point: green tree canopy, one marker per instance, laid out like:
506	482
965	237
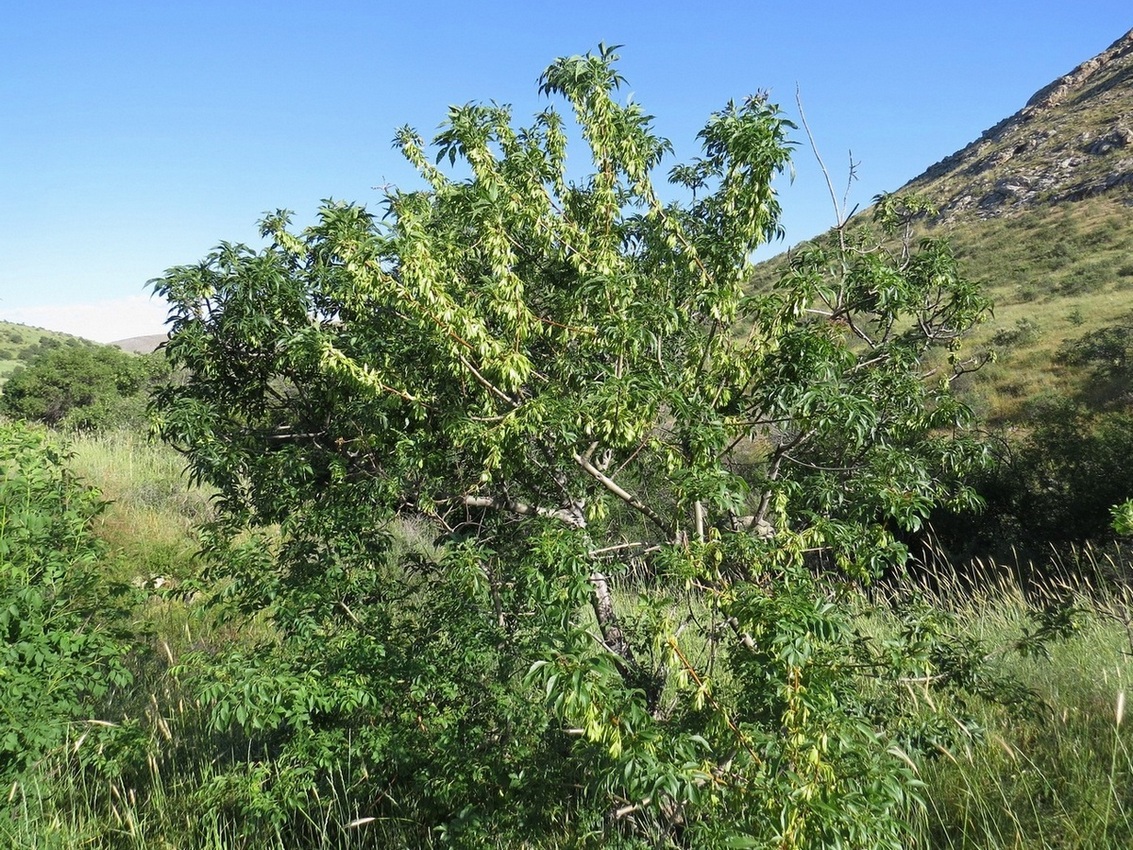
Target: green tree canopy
83	386
624	472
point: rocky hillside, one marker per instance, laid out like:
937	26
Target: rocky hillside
1039	209
1073	140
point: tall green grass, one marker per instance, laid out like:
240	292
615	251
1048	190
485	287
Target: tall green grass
1061	774
152	511
150	525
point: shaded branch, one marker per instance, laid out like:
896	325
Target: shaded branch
620	492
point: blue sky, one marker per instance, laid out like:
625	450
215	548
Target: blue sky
134	136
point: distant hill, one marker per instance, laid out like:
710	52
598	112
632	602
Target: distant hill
141	344
19	344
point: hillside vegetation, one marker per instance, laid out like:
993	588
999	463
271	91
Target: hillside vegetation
1055	275
20	344
81	385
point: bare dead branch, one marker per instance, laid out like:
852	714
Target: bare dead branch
571	516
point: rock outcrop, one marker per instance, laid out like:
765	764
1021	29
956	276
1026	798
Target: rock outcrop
1072	140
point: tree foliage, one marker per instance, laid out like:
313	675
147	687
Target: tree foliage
82	386
1067	474
1123	517
560	527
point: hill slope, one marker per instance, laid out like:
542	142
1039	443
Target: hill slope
1039	210
19	344
1072	140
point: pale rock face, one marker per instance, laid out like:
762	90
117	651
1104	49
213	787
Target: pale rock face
1064	145
1120	137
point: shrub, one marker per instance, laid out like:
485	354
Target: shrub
63	644
1108	355
1053	487
1025	331
85	387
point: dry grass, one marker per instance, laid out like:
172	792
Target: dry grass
151	512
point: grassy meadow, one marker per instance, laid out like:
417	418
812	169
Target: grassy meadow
1057	774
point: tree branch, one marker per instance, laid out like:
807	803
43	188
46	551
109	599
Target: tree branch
572	516
612	635
488	385
620	492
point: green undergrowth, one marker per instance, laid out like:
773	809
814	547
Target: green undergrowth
1059	775
150	771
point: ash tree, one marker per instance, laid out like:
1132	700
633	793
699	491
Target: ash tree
561	529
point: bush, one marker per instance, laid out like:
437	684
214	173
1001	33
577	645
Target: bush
1025	331
1108	351
1106	355
1053	487
60	621
84	387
